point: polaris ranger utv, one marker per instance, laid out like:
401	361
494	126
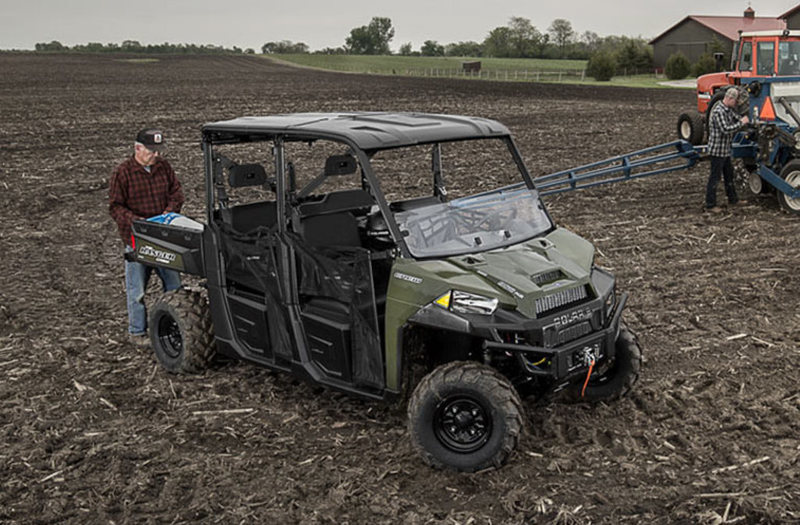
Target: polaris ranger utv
364	251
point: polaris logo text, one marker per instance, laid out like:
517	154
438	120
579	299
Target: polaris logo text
158	255
572	317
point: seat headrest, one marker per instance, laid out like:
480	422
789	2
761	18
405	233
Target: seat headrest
243	175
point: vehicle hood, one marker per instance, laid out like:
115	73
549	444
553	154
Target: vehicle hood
517	275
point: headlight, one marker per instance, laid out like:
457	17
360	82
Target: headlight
467	303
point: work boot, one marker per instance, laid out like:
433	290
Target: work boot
139	341
714	209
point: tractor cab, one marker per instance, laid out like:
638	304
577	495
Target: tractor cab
756	54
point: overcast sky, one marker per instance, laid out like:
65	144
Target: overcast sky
326	23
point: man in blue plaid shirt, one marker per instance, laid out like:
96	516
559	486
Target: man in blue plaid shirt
722	124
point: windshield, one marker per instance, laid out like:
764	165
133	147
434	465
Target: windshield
789	58
481	222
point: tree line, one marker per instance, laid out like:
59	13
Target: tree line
133	46
518	39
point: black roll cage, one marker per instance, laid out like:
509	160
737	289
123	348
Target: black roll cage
279	139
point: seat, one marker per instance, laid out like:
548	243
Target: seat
337	201
335	229
245	218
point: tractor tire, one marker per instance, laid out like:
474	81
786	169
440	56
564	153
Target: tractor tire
465	416
615	379
791	174
180	332
691	127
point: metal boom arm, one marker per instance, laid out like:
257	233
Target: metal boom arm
672	156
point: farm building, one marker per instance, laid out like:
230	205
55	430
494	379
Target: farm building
792	18
695	35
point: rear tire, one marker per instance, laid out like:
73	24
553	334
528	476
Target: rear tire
465	416
691	127
180	331
791	174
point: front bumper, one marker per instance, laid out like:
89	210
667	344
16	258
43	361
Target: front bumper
569	359
558	344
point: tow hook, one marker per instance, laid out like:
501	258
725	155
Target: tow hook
589	357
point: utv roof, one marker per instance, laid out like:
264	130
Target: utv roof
368	131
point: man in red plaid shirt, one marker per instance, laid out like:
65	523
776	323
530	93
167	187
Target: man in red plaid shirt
143	186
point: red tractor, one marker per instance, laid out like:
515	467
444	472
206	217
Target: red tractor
756	54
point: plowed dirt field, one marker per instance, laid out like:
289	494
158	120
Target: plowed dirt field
93	431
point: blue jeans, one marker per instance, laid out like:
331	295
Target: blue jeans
721	167
136	277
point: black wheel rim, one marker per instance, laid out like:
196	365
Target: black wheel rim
462	424
169	336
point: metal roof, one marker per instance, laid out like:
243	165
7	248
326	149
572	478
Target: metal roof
367	130
729	26
790	12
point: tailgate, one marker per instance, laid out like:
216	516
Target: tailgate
168	246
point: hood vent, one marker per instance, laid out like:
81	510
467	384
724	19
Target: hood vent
560	299
548	277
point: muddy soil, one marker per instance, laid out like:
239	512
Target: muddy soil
94	431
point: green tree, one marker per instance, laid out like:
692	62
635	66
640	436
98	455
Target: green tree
131	46
562	34
432	48
53	45
498	43
405	49
284	47
331	51
716	46
463	49
372	39
601	66
525	40
634	55
677	66
591	40
705	64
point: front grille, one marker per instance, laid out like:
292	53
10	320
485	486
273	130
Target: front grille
560	299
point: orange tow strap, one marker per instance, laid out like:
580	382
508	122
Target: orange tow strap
588	375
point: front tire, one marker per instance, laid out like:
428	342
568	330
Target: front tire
791	174
180	332
465	416
615	379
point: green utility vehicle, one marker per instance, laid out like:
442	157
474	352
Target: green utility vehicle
391	256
